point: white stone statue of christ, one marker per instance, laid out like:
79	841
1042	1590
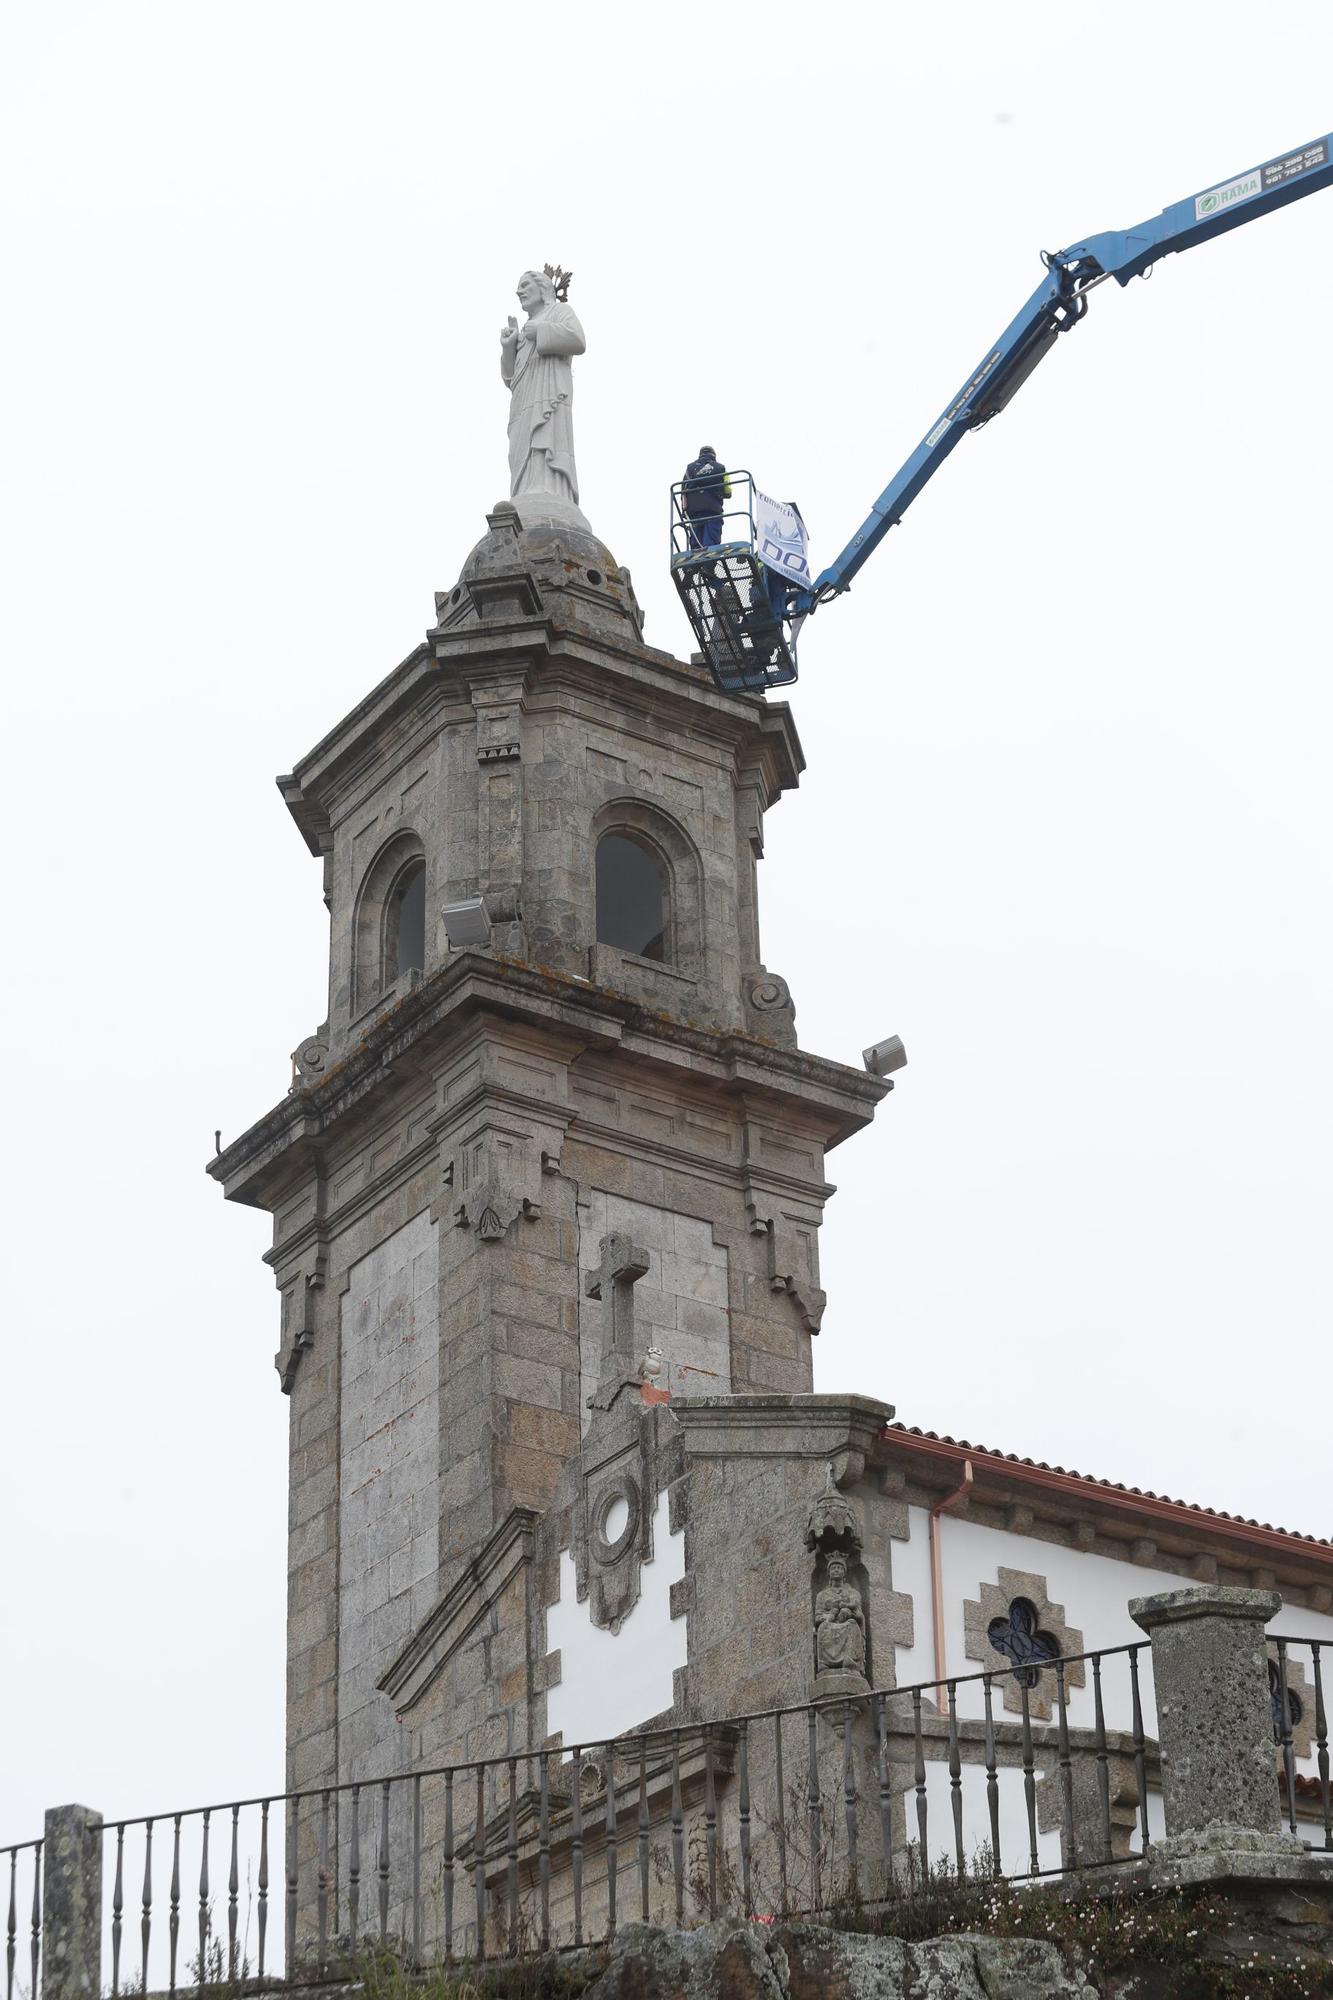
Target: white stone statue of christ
535	367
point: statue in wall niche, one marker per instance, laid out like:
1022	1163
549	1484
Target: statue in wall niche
837	1588
840	1640
535	366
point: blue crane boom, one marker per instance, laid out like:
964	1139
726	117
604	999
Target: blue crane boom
1058	304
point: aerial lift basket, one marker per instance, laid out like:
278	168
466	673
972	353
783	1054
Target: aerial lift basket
747	646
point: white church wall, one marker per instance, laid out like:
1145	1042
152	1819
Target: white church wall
390	1454
680	1305
1093	1591
1014	1852
612	1681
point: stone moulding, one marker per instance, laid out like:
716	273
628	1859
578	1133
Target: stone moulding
253	1165
510	1549
845	1430
693	1781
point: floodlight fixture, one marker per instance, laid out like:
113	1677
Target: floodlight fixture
466	923
885	1057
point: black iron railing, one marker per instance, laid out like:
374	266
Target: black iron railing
783	1811
32	1848
1289	1714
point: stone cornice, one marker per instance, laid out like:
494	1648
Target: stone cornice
842	1430
759	734
303	787
508	1549
834	1097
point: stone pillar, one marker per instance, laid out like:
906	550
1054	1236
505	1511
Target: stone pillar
1214	1710
72	1904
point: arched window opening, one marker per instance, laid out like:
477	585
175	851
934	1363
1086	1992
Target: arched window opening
405	924
632	897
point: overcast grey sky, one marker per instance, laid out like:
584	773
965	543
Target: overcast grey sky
1065	823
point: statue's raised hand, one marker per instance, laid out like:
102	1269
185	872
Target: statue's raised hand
509	333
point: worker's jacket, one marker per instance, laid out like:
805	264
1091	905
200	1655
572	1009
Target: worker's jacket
706	487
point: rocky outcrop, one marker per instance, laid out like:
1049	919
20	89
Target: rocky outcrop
731	1960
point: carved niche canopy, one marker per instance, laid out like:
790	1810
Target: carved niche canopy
833	1522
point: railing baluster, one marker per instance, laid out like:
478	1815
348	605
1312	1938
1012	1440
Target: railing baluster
416	1869
174	1912
643	1828
1321	1744
781	1811
511	1856
612	1841
576	1838
263	1882
919	1779
323	1878
1066	1764
12	1925
382	1861
1140	1759
205	1915
1029	1778
1288	1751
1103	1768
36	1917
710	1821
544	1845
747	1904
354	1869
885	1796
677	1832
117	1907
956	1780
849	1798
479	1861
289	1913
233	1889
146	1905
814	1808
992	1780
448	1864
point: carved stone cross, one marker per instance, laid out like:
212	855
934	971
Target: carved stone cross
623	1264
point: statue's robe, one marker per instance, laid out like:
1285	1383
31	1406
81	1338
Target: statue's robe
840	1643
541	405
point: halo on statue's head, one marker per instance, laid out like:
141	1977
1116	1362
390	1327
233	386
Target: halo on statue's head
559	281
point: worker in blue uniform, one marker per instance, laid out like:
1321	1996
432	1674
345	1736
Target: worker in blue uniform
706	487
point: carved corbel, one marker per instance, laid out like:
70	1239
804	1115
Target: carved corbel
311	1059
769	1011
792	1262
299	1297
495	1179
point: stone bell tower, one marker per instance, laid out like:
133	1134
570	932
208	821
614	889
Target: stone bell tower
556	1117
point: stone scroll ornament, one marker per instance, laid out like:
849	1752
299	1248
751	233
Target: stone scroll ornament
833	1537
536	368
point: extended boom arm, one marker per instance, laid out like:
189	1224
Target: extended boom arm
1058	304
